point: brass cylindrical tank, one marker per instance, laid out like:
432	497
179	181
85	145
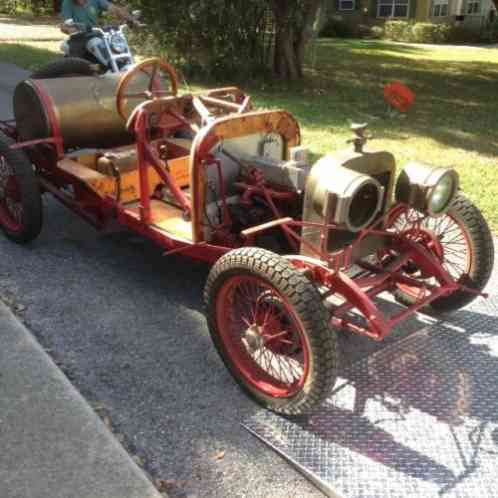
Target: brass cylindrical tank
83	108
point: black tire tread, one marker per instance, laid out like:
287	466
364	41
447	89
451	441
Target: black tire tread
481	266
69	66
306	301
30	193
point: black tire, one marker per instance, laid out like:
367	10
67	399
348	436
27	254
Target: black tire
480	240
31	217
65	68
304	300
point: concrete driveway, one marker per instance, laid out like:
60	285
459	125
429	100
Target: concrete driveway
12	29
127	326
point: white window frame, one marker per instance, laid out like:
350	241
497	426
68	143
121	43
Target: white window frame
440	3
342	9
392	3
473	2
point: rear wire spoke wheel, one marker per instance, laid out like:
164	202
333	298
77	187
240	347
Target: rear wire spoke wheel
20	198
460	239
270	328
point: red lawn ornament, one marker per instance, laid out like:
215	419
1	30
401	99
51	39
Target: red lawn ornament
399	96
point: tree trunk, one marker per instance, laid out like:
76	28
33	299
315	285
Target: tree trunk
294	27
57	6
310	14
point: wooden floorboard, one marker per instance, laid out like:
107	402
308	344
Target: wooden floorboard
165	217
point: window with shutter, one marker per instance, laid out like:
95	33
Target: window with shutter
440	8
393	8
346	5
473	7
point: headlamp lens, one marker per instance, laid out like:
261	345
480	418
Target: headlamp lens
118	44
442	194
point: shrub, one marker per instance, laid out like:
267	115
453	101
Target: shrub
398	30
366	31
377	32
425	32
334	28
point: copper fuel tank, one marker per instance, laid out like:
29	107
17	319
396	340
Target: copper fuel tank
83	108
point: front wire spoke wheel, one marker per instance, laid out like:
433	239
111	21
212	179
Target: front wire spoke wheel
460	240
271	330
258	334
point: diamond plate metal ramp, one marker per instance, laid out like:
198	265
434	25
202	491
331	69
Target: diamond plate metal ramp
418	418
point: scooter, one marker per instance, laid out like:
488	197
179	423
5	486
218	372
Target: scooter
107	46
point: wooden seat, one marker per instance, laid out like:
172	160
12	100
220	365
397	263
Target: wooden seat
125	160
99	168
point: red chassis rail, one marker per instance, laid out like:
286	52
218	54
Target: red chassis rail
329	271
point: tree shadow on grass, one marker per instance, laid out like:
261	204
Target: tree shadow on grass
25	56
456	101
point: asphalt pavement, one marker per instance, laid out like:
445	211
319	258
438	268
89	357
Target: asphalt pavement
127	326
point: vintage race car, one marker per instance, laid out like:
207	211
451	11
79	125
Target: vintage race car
300	251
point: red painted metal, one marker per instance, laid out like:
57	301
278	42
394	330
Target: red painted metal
48	105
40	141
358	294
11	209
433	238
70	203
263	336
8	127
146	158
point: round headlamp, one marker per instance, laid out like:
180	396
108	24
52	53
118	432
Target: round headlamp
342	196
429	189
118	44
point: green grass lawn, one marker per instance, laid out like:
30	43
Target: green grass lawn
29	55
454	121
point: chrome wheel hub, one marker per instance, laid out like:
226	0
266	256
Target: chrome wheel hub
253	340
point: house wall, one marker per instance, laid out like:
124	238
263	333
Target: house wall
365	12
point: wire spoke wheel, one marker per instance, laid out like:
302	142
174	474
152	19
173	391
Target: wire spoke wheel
270	327
10	198
460	240
263	335
20	199
445	237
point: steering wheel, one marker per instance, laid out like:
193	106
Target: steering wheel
150	80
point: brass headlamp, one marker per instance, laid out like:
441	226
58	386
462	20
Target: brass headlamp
428	189
342	196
